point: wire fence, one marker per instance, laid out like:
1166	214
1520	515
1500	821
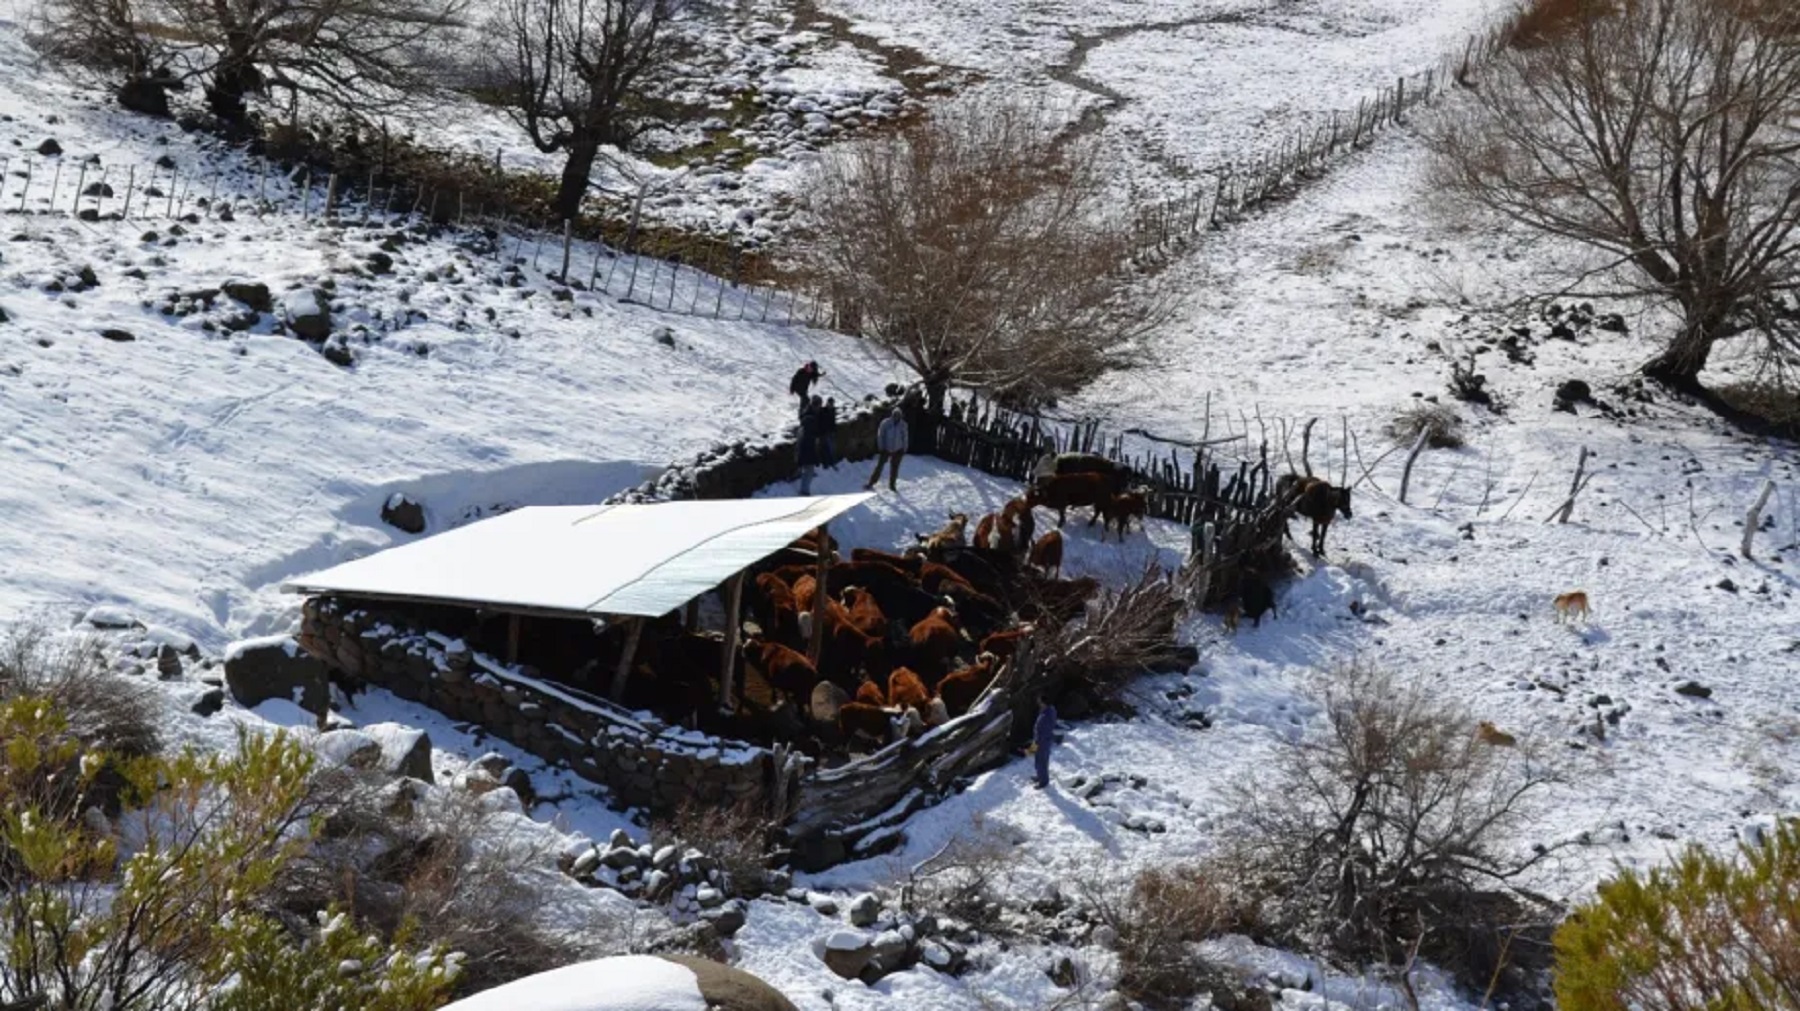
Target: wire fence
716	288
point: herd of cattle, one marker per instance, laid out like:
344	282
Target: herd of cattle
909	639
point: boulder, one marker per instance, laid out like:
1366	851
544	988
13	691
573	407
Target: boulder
49	148
210	701
348	749
117	335
891	951
494	764
1693	690
146	95
403	514
405	751
633	982
307	313
729	918
275	667
110	618
254	294
519	781
865	909
848	953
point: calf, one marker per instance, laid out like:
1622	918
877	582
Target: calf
1024	526
1255	597
961	689
950	535
1320	501
1066	491
1047	553
996	531
906	690
869	693
1121	509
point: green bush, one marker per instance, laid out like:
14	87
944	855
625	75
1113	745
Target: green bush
168	905
1708	933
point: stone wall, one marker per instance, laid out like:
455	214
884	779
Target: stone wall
743	468
645	762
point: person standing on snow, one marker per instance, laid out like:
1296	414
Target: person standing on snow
890	446
1043	737
828	434
803	381
808	448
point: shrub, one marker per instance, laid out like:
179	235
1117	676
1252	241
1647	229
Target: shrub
168	908
1708	933
738	838
969	879
1386	828
1156	919
1471	387
104	710
1444	427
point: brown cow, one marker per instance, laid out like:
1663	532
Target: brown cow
906	689
806	591
869	693
1121	509
960	690
937	578
905	563
860	719
774	608
950	535
848	647
1047	553
785	670
865	613
936	640
997	531
1316	499
1024	526
1005	644
1066	491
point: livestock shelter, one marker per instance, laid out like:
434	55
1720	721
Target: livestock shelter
528	623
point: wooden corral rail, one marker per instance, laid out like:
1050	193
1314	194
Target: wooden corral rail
851	810
1227	501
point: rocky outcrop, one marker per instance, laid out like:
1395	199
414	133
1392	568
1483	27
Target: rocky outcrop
257	670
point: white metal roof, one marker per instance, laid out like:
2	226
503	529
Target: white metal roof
644	560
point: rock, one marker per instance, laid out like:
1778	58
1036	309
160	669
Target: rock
848	953
664	858
865	909
97	189
49	148
656	882
891	951
254	294
257	670
210	701
110	618
1693	690
147	96
118	335
403	514
380	262
620	857
1062	972
405	751
337	352
1574	391
349	749
1727	585
168	662
620	837
307	313
664	336
724	988
585	864
519	781
729	918
494	764
822	904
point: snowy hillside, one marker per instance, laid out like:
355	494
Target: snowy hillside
181	468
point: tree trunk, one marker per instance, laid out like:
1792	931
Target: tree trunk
1679	365
235	77
575	175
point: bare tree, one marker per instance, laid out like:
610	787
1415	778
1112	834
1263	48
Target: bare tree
980	246
1391	823
355	55
574	75
1661	134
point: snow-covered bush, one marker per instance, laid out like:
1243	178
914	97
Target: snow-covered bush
1155	920
1442	425
1706	932
737	838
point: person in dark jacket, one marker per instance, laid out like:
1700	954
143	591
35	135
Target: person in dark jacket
828	434
803	381
807	449
1043	737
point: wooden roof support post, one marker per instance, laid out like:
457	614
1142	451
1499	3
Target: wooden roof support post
734	619
817	645
692	618
512	638
623	672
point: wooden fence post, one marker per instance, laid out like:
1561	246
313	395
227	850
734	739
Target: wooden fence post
734	607
1417	446
1753	518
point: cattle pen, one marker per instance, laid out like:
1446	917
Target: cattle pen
500	623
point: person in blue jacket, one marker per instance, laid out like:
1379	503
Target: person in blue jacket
1044	737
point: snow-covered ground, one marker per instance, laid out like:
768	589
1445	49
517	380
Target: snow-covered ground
181	476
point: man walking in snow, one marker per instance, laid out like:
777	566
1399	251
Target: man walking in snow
890	446
1043	738
803	381
808	449
828	434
